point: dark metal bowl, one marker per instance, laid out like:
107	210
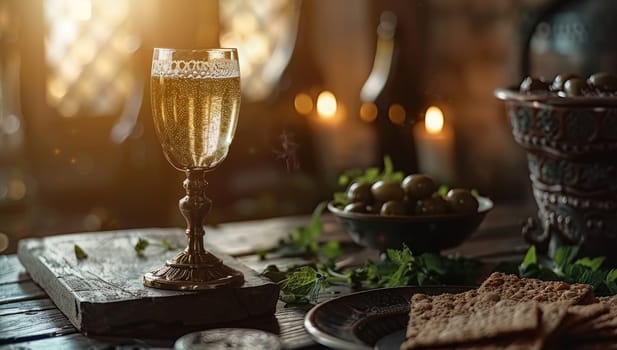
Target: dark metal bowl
420	233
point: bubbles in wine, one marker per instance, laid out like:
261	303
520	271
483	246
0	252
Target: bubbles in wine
195	69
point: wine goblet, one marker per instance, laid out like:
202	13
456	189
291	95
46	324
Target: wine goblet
195	106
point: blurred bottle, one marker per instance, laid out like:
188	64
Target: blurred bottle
271	161
389	98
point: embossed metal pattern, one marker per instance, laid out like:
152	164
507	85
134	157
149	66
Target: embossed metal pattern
573	168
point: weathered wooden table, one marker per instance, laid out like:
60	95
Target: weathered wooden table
29	319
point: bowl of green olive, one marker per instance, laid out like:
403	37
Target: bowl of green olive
412	212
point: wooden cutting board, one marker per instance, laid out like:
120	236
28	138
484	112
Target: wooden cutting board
104	293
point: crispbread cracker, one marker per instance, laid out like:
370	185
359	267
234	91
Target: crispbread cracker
581	314
513	287
553	315
508	312
505	318
426	307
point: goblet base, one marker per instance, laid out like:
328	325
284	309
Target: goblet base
190	271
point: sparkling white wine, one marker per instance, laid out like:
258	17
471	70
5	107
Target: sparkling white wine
195	114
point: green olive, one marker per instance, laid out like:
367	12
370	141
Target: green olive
384	191
431	206
560	79
575	87
360	192
418	186
603	81
393	208
462	201
356	207
530	84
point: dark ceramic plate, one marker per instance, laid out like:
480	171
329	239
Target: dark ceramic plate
362	320
420	233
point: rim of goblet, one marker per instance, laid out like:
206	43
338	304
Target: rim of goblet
213	49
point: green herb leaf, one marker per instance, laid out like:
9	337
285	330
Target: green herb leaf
563	256
594	264
530	258
612	275
274	274
388	168
340	199
165	244
141	246
331	250
443	190
80	254
303	285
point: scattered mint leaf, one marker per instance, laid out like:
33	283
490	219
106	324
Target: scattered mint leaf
80	254
303	285
141	246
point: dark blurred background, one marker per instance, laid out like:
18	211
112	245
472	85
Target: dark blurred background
327	86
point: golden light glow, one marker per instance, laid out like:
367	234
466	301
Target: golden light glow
433	120
17	189
303	103
368	112
397	114
80	10
89	45
326	104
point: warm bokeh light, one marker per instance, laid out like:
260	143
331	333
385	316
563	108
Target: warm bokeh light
16	189
433	120
326	104
89	47
397	114
303	103
368	112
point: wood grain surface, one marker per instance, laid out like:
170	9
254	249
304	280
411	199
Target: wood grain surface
30	320
104	293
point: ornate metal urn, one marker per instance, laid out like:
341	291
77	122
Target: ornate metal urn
571	146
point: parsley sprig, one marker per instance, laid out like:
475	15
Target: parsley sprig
401	268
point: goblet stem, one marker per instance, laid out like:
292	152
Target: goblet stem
194	207
194	268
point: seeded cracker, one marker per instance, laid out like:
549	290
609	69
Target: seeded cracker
513	287
504	319
425	307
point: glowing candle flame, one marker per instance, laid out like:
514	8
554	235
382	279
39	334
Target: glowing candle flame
326	104
433	120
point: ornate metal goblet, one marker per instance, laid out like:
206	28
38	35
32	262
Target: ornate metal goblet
195	105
